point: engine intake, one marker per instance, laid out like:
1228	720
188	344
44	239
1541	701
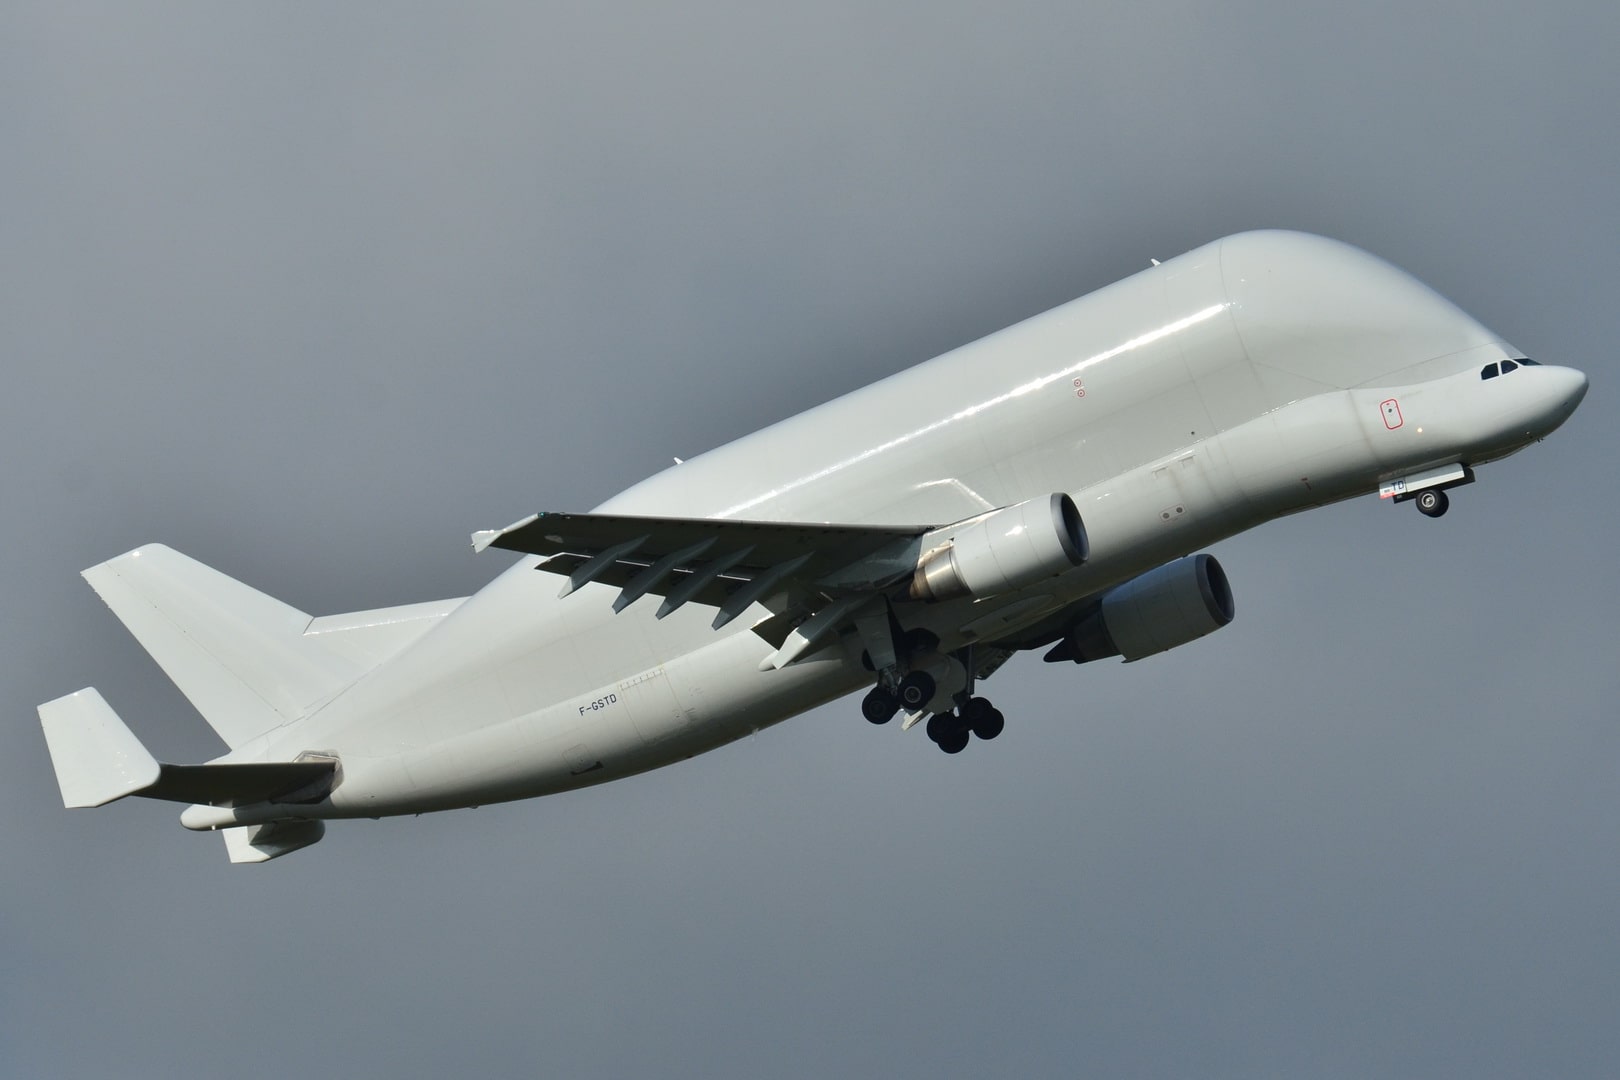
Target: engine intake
1165	607
1003	550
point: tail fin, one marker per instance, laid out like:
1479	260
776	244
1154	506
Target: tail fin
239	656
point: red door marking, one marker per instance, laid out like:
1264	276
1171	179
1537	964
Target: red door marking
1392	414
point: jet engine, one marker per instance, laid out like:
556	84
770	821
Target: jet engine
1165	607
1000	551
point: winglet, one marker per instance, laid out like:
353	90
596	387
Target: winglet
485	537
97	758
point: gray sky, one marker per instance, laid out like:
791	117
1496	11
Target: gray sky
312	291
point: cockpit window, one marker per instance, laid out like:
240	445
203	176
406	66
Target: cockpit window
1525	360
1491	371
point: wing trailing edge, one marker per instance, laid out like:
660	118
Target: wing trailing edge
715	562
812	576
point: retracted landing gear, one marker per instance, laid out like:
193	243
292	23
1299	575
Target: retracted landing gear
1432	502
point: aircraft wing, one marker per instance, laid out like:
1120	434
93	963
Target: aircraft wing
715	561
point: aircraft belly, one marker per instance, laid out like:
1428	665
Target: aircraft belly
710	697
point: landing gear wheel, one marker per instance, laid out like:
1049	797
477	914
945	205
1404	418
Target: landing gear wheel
942	727
916	690
1432	503
989	726
954	743
975	709
879	706
982	718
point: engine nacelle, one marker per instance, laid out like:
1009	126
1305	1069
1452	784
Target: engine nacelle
1000	551
1169	606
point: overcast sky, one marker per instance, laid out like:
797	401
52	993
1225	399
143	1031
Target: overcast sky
311	292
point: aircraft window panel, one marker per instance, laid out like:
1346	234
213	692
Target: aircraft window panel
1525	361
1490	371
1508	365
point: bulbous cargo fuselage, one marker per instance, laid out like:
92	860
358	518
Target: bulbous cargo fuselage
1062	457
1253	377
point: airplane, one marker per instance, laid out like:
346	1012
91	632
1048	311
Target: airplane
1047	487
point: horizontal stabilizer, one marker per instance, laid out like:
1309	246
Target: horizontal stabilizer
97	758
232	784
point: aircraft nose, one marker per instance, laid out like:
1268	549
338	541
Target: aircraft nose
1570	387
1562	390
1577	389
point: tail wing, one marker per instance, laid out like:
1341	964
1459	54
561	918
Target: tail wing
239	656
97	758
249	663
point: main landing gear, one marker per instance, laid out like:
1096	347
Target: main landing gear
976	716
912	693
949	731
879	706
915	676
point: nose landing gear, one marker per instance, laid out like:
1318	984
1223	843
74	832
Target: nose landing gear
1432	502
1427	488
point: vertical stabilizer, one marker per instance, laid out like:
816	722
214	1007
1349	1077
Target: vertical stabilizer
239	656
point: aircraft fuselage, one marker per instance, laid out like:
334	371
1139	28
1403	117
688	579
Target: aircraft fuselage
1255	377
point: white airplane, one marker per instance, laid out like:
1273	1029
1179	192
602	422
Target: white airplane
1044	486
